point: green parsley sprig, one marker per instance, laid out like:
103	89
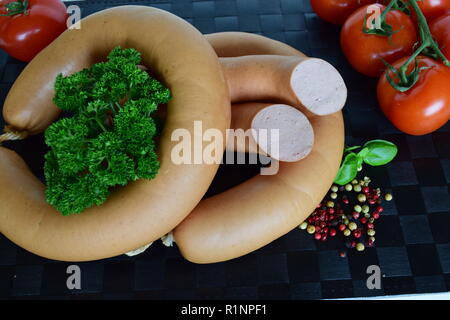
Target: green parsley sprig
109	140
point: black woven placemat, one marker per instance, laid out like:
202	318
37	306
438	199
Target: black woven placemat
413	238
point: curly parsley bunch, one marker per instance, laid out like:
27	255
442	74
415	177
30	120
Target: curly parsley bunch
109	140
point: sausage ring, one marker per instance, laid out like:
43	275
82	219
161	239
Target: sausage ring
144	210
262	209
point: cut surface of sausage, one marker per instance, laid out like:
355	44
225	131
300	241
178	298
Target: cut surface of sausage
295	134
318	86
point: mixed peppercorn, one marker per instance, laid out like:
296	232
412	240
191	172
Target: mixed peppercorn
352	210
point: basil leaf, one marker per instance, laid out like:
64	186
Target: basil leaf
380	152
361	155
348	170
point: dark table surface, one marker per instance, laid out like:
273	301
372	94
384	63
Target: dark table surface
413	234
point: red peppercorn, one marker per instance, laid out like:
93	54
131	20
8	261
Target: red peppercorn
331	217
332	232
342	254
380	209
353	244
366	189
370	226
310	220
331	210
342	227
317	236
363	220
324	238
325	230
346	201
323	225
357	234
370	243
355	215
371	201
318	229
376	215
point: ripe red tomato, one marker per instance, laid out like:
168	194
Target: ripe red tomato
24	35
440	29
426	106
433	9
364	51
337	11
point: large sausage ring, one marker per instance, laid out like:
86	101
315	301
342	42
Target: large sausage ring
264	208
142	211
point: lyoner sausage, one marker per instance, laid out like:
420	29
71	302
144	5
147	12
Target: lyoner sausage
311	83
264	208
144	210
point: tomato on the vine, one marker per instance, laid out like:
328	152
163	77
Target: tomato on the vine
28	26
337	11
426	106
433	9
440	29
366	52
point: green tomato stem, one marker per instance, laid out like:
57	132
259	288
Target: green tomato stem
388	8
427	44
425	34
16	7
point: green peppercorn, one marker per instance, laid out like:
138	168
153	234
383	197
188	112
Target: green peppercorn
334	188
347	232
355	181
372	239
360	246
371	232
357	188
311	229
348	187
352	226
333	195
357	208
330	204
371	220
367	215
346	221
362	197
388	197
365	209
304	225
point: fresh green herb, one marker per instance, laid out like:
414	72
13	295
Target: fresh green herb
374	153
109	140
348	169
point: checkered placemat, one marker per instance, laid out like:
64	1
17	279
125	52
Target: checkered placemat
413	235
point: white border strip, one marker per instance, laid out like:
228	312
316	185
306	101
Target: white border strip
419	296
